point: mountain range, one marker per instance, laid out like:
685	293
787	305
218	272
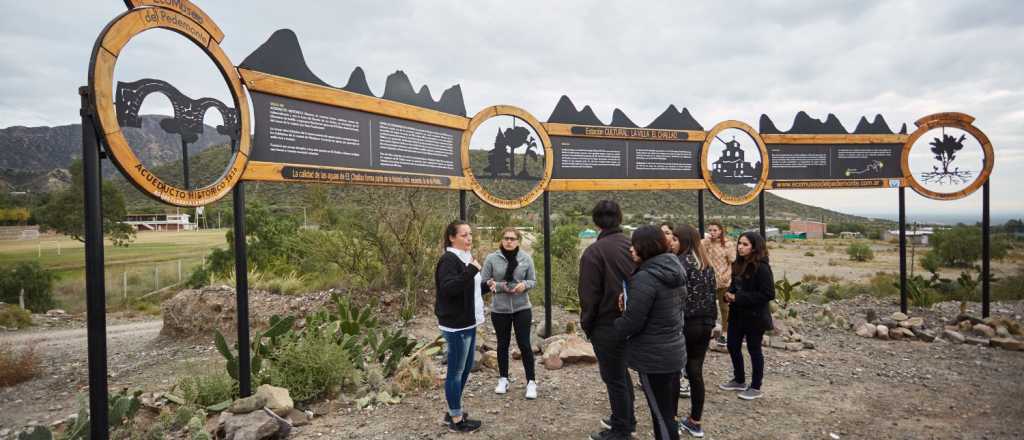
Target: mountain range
565	112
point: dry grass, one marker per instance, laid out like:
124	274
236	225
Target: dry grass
17	366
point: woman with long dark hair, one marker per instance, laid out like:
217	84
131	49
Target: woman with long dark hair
459	308
753	287
509	273
721	252
652	323
699	319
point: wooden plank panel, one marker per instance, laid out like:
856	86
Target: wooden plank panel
271	172
187	9
557	129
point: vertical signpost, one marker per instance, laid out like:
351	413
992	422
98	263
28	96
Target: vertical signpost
986	250
903	249
547	265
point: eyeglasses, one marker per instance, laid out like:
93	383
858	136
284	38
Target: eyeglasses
509	238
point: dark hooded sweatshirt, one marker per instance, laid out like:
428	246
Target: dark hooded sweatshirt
652	321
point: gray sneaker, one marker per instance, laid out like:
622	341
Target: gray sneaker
750	394
733	386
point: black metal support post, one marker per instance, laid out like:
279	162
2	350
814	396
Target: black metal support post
184	164
242	293
903	249
547	266
700	211
986	256
760	214
462	205
95	285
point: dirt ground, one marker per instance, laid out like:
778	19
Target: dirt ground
847	387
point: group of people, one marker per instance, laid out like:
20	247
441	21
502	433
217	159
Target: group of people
648	302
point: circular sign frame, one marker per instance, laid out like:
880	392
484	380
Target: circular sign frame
706	173
105	52
467	169
950	120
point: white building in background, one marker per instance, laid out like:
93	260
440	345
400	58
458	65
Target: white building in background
160	222
917	237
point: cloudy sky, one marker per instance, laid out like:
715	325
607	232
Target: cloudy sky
721	60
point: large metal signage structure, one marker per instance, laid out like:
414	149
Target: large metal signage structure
302	129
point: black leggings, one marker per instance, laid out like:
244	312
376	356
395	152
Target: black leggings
503	324
741	328
698	337
662	391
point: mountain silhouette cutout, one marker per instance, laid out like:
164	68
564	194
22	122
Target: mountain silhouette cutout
804	124
281	55
619	119
673	119
565	112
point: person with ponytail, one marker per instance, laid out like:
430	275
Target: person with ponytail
509	273
699	314
752	288
459	307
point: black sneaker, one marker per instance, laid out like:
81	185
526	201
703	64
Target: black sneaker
690	428
606	424
448	418
464	425
608	434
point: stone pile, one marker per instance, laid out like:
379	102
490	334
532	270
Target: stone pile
996	331
897	326
268	414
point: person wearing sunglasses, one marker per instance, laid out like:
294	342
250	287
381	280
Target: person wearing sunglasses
510	274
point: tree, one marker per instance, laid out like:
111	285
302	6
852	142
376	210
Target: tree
860	252
65	211
36	282
960	246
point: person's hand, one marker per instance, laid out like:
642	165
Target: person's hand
622	302
491	284
520	288
730	297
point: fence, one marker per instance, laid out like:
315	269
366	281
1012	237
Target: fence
142	280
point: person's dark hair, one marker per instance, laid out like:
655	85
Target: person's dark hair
607	214
649	241
721	237
450	231
689	241
745	266
668	225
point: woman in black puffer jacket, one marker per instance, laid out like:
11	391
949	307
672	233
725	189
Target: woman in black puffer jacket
652	323
752	288
700	313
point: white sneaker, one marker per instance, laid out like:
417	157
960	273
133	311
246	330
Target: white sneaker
502	387
531	390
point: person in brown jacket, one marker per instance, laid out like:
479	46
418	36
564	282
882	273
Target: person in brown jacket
604	268
722	252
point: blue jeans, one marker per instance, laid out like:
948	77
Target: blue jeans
461	345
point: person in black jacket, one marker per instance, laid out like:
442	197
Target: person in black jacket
753	287
652	323
699	314
459	309
604	267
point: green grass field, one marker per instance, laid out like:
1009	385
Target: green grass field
151	262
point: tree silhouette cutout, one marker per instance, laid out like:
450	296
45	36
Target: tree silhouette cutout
945	150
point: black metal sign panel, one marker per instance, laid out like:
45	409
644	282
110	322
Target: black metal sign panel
834	162
291	131
586	158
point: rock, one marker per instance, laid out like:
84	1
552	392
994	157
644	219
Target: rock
867	330
888	322
719	348
976	341
516	354
1008	344
964	317
554	348
902	333
576	350
916	321
779	328
256	425
490	359
899	316
925	335
778	344
794	346
477	361
297	418
552	362
965	326
871	316
198	312
247	405
1002	331
808	345
544	343
796	337
984	330
278	399
56	313
882	332
953	336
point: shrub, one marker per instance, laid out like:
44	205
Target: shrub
34	279
809	254
960	246
860	252
311	367
1009	288
17	366
209	389
12	316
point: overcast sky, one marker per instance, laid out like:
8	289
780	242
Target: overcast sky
721	60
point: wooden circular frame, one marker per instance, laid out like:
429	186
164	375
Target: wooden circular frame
101	77
706	173
951	120
467	168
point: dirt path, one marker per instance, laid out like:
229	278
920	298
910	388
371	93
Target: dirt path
72	339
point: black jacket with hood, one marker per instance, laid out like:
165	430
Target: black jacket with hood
652	321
